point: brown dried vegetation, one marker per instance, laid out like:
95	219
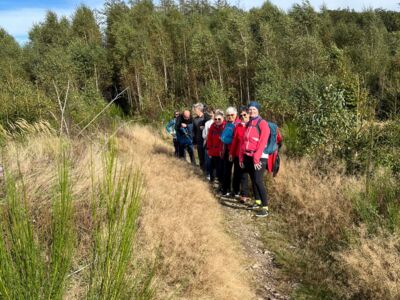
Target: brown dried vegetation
181	225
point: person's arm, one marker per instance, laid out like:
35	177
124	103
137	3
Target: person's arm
264	135
178	124
209	138
205	132
169	125
279	139
235	142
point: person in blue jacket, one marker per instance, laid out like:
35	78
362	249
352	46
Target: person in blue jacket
184	135
170	128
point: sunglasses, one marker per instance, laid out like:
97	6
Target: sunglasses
243	115
218	119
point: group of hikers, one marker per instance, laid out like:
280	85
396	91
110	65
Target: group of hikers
231	146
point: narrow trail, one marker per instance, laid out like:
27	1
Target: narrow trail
265	274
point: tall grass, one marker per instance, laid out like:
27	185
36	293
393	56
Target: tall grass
379	206
28	270
338	239
62	243
115	216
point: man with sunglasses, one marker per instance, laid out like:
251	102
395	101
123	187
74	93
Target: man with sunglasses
170	128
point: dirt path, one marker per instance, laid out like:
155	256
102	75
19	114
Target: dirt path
266	276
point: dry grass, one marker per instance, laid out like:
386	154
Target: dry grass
373	267
180	223
320	242
183	223
314	204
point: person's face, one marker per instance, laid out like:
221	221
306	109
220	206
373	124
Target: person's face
197	112
218	119
230	117
212	115
186	115
253	112
176	114
244	116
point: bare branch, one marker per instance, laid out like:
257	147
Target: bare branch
103	110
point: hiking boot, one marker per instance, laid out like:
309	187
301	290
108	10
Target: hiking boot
256	205
263	212
226	195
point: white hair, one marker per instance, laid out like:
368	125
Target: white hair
199	106
219	112
231	110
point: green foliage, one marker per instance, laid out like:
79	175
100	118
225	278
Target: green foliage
20	100
115	217
322	119
25	271
379	206
214	95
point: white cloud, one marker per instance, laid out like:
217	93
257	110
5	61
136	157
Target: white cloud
18	22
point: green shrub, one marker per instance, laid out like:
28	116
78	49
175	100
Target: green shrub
379	205
29	270
115	216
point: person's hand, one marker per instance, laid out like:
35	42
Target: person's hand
258	166
230	157
183	125
241	164
201	127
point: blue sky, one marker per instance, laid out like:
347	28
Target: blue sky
18	16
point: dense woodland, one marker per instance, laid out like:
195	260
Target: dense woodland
331	78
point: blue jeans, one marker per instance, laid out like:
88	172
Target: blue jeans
189	148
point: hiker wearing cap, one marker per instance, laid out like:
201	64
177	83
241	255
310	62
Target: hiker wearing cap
240	183
184	135
198	126
215	147
227	138
170	128
252	157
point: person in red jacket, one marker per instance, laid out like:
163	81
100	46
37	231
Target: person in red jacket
251	156
215	146
240	183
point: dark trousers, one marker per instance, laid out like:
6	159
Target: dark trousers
189	148
226	186
216	165
240	182
176	147
207	163
257	178
201	154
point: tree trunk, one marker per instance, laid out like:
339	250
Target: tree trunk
220	73
139	90
186	68
165	75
